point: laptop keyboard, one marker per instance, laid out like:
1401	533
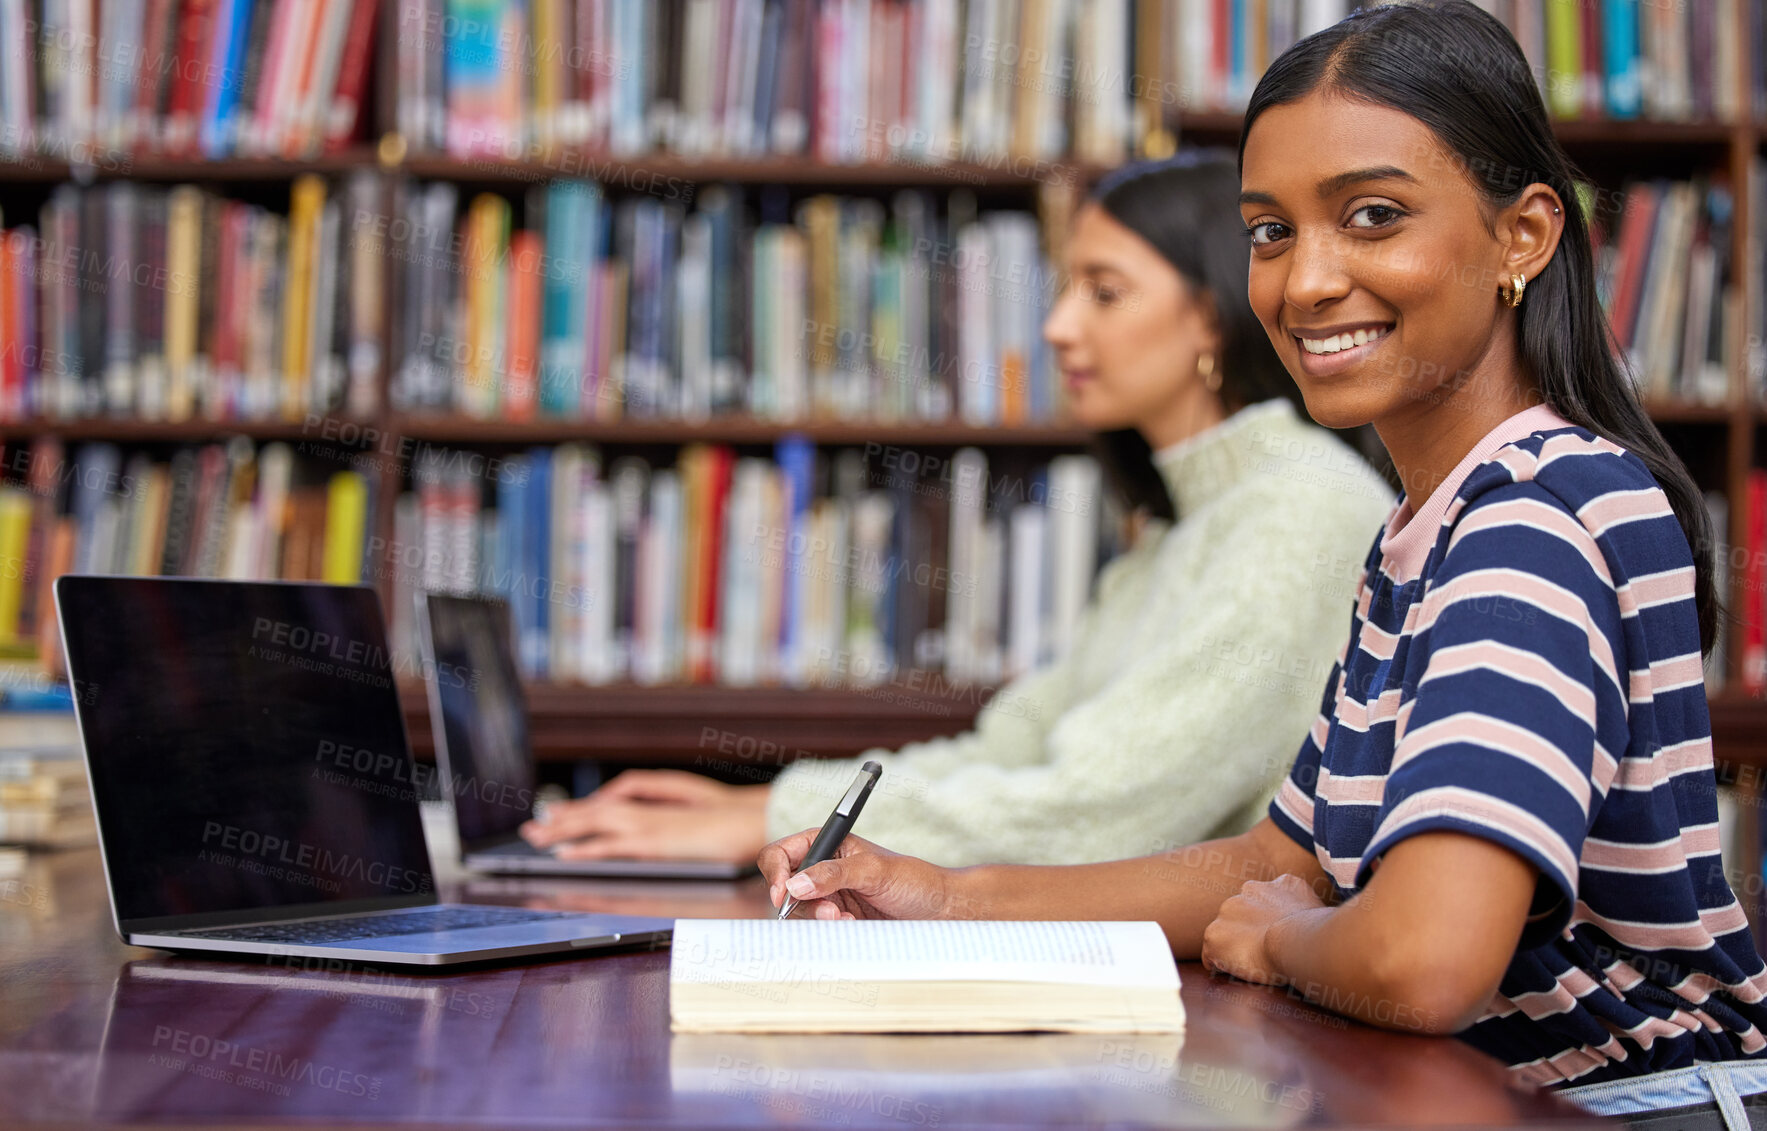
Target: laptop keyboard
375	926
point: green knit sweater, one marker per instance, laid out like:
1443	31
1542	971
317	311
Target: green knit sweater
1193	676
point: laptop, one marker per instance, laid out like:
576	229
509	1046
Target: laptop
480	727
253	786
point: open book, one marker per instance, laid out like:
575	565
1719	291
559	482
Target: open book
908	976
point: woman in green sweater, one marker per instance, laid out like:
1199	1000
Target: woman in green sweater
1194	672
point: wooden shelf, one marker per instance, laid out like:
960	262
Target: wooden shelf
1688	412
155	167
640	170
1739	730
1603	133
618	170
614	169
454	429
130	430
730	728
740	730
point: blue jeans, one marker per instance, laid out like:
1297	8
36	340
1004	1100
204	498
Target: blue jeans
1710	1095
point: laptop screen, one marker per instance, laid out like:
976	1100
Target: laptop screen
246	746
482	738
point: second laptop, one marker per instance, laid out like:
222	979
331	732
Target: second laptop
480	725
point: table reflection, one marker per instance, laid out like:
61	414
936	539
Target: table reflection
299	1037
936	1080
671	899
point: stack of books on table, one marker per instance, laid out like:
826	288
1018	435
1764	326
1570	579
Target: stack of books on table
43	801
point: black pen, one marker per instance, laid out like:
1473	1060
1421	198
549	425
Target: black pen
838	825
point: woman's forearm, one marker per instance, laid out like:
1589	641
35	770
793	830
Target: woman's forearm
1411	951
1181	889
1328	956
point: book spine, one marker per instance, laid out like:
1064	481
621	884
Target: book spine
563	302
1620	45
306	201
13	344
120	292
194	32
1564	51
273	85
346	512
1591	87
531	602
343	120
295	78
226	57
523	309
315	108
89	310
366	295
251	75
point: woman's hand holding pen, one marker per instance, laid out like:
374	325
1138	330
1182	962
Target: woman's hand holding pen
862	881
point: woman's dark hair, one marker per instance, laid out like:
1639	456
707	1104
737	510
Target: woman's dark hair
1457	69
1187	208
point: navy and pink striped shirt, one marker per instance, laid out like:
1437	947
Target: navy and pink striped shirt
1524	666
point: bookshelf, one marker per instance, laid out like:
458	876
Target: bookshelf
1722	440
758	728
457	429
123	430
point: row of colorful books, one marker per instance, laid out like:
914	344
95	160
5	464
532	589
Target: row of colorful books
222	510
130	299
846	81
1633	58
844	307
1664	270
1616	59
1591	58
961	79
84	79
746	570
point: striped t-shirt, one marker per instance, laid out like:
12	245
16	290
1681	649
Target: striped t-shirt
1524	665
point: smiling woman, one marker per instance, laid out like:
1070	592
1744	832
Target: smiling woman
1373	277
1503	821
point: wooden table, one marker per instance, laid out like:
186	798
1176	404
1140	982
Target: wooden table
93	1032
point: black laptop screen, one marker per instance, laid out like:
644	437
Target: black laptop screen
246	745
484	731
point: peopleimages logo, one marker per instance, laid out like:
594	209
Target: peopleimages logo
307	859
396	775
220	1059
300	638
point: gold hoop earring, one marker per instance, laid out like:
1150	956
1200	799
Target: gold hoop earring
1205	368
1512	296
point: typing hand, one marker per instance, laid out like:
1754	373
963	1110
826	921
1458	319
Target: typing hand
608	808
862	881
600	828
673	787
